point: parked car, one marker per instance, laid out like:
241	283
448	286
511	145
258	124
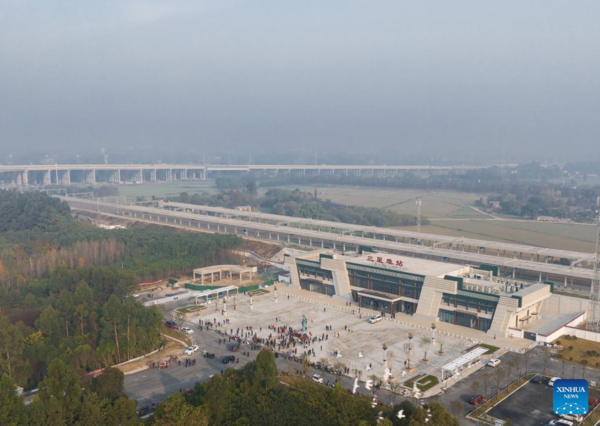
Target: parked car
317	378
191	349
172	324
560	422
228	359
494	362
538	379
552	380
187	330
375	318
477	400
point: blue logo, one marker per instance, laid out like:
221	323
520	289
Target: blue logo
570	397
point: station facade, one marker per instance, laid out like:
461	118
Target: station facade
464	295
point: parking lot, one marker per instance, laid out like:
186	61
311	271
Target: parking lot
531	405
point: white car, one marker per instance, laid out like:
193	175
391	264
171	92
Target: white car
494	362
375	318
191	349
552	380
317	378
187	330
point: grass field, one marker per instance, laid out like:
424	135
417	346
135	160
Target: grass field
434	204
164	189
553	235
580	351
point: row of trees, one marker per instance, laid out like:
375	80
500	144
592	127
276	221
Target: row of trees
255	396
299	204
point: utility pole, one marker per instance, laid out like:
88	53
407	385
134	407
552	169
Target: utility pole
593	320
419	214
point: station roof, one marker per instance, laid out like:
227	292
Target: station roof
464	359
411	265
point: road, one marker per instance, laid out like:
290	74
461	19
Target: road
156	385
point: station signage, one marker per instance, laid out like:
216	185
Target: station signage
386	261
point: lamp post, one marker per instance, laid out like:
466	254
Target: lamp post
433	333
225	307
410	337
251	304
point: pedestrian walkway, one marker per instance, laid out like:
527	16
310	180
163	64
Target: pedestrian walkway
476	336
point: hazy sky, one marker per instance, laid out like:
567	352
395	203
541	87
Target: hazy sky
462	76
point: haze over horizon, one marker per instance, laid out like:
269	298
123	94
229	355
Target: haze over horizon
455	78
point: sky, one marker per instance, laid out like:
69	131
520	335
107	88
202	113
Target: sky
454	78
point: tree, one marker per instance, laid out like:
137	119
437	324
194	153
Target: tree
486	380
389	356
441	340
498	376
122	413
457	408
395	389
338	369
510	366
109	384
265	374
408	352
527	355
546	355
176	412
424	344
11	347
112	317
12	409
475	387
91	412
60	392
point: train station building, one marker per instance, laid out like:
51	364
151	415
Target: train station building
471	296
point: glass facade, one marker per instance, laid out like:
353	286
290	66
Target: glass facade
469	303
385	284
465	320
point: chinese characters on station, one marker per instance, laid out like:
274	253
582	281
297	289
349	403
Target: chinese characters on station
387	262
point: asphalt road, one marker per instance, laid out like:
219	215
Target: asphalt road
155	385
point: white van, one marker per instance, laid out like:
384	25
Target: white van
375	318
552	380
494	362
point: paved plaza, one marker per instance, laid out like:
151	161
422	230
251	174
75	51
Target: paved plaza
350	334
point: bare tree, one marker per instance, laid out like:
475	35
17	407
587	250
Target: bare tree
305	364
390	358
324	363
527	356
395	389
408	352
359	374
375	379
440	338
475	387
519	361
339	368
457	408
510	366
584	362
498	376
486	380
425	344
546	355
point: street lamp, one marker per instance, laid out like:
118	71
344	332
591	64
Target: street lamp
433	333
410	337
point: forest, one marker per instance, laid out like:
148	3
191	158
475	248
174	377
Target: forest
254	395
65	286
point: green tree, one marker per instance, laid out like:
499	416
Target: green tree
112	315
12	409
265	374
122	413
176	412
109	384
60	392
11	349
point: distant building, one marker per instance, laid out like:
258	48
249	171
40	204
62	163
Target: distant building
464	295
244	208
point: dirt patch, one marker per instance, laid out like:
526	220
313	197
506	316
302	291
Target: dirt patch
264	250
171	348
